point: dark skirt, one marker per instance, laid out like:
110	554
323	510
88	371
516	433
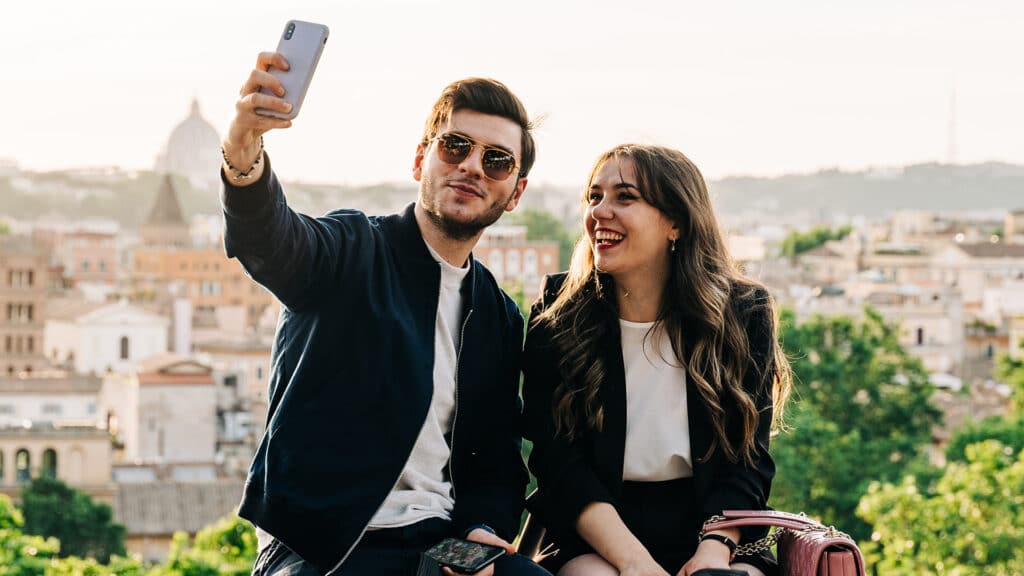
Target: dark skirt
663	516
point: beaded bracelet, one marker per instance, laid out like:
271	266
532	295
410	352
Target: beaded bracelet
236	174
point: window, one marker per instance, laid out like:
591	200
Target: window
989	351
22	466
512	264
53	409
31	344
231	381
1	468
85	265
259	373
497	263
7	410
124	347
530	263
920	336
7	343
49	468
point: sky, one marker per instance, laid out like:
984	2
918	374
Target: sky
743	88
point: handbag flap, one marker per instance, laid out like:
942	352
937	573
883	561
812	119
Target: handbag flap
817	554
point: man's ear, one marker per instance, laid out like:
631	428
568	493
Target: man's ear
517	195
417	163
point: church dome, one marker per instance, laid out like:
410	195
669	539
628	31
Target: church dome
192	151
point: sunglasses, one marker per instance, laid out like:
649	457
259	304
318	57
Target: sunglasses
498	164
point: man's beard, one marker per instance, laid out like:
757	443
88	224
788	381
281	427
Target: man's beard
456	229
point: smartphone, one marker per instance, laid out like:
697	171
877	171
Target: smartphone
463	556
301	44
720	572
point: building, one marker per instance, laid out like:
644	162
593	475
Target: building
192	151
89	256
165	226
241	371
51	425
931	319
97	338
975	267
152	512
208	278
164	414
514	260
23	284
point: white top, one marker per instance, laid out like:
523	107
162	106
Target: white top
657	421
423	490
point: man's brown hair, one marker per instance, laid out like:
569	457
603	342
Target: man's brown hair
486	96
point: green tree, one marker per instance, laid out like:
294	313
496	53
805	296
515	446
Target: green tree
542	225
862	413
22	555
798	242
83	527
1012	372
4	228
971	523
226	547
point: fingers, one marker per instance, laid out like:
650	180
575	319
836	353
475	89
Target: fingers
266	60
261	79
250	102
484	537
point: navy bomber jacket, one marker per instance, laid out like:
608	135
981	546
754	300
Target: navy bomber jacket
352	374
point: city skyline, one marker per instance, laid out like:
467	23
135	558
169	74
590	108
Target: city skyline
791	87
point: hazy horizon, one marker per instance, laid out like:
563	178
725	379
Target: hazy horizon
743	88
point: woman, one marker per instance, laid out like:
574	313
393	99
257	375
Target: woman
652	381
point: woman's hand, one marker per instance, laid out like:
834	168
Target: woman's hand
710	554
644	566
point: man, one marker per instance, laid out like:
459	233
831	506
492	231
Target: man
394	406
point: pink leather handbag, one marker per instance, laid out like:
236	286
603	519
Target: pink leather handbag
806	547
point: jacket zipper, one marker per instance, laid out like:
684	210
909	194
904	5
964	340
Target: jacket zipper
455	417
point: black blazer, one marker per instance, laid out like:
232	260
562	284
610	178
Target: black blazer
571	475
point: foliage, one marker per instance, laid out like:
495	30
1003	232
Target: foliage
227	547
22	555
83	527
800	242
971	523
862	413
1008	430
1011	371
542	225
4	229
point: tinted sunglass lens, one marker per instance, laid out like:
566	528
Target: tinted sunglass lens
497	164
454	149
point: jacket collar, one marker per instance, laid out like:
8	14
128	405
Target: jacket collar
410	244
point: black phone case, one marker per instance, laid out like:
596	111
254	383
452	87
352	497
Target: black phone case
720	572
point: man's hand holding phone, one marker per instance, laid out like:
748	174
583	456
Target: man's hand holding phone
272	96
242	142
482	536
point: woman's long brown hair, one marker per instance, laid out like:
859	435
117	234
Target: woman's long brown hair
703	300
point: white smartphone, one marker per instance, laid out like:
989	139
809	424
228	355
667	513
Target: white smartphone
301	44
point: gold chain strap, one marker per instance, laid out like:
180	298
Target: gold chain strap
766	543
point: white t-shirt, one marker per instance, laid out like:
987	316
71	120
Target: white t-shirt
423	491
657	420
